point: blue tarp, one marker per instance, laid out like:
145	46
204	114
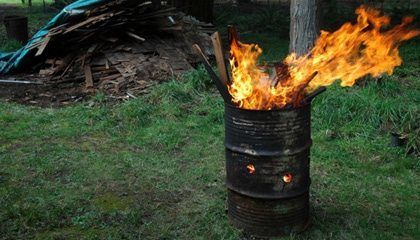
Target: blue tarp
14	61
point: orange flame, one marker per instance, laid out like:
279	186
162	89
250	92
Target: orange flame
250	168
351	52
287	178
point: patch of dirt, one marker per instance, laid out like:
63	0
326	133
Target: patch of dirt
44	95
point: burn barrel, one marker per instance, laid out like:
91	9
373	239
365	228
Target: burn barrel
16	27
267	168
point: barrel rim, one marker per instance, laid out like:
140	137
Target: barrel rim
14	17
267	153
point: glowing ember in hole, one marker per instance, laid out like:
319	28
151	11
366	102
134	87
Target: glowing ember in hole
287	178
250	168
367	47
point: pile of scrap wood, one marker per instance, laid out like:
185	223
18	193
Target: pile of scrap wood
120	47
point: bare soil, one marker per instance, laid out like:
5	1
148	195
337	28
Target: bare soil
44	95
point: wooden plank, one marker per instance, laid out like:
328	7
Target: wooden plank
220	59
106	63
87	21
54	61
67	67
45	72
222	88
88	77
43	46
110	77
135	36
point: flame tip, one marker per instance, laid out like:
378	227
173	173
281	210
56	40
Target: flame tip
351	52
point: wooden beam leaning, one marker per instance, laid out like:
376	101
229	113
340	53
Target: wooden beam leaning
221	87
220	58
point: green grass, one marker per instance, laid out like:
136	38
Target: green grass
153	168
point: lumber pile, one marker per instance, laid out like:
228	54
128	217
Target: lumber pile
120	47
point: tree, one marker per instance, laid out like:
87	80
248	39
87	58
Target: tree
304	25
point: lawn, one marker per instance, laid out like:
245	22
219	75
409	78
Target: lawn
153	167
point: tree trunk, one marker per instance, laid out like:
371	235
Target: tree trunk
304	25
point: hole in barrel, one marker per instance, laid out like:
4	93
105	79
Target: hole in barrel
250	168
287	178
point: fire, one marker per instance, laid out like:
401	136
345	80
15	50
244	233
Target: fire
351	52
287	178
250	168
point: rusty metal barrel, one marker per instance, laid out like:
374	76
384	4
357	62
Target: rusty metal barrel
16	27
267	168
